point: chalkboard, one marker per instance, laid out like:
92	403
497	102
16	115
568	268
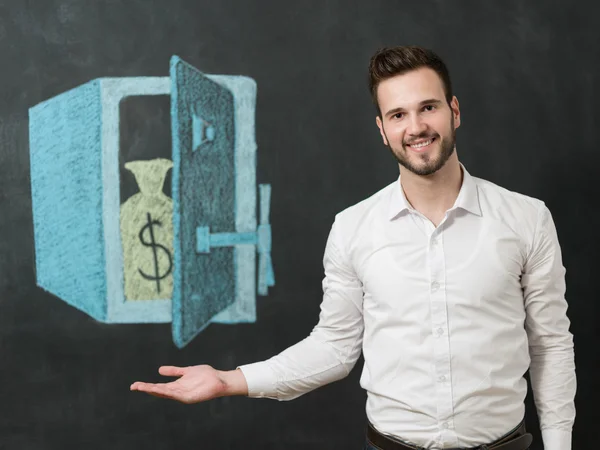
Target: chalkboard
525	75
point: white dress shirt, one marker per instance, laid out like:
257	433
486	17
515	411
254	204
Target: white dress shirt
448	318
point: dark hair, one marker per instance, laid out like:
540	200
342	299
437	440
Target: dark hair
391	61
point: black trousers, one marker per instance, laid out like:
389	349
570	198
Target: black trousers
515	439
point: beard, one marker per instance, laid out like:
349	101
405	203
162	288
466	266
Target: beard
431	163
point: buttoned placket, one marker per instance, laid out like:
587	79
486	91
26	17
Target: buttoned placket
439	323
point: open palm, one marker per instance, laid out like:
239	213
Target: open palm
195	384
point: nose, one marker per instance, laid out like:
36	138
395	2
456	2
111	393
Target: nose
416	126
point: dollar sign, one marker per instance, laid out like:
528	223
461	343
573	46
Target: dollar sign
152	243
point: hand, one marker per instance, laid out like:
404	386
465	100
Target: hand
195	384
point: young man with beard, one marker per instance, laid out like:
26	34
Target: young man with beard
451	286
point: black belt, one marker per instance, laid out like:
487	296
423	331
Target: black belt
517	439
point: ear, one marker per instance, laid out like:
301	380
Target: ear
380	126
455	111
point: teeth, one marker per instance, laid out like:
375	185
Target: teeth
423	144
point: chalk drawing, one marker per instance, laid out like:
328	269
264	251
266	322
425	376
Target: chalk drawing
189	260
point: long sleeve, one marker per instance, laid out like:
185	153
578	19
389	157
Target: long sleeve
552	367
331	350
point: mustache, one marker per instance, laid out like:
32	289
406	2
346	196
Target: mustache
419	138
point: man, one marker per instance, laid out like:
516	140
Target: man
452	287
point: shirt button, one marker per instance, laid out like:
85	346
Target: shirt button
442	378
439	331
435	286
445	425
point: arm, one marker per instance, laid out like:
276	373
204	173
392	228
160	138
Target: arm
326	355
552	367
331	350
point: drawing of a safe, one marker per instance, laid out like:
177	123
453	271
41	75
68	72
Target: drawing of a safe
219	257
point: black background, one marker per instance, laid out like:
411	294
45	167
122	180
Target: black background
525	74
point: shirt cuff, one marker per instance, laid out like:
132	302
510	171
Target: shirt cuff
260	379
555	439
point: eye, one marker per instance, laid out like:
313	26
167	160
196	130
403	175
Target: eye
397	116
430	106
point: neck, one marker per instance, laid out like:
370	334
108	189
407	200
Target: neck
436	193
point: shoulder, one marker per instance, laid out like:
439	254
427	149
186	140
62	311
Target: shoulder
515	209
502	196
357	224
357	215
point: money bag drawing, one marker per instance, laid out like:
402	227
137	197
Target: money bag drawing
196	257
147	233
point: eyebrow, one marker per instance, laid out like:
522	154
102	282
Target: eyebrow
431	101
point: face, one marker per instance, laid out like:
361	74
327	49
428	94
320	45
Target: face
414	111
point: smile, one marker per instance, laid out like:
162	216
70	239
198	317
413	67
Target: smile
422	145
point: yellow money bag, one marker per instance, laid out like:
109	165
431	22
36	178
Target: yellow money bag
147	233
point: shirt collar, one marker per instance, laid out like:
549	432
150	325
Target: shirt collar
468	198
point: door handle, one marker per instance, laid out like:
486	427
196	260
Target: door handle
261	238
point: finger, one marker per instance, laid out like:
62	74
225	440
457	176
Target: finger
146	387
167	391
161	395
152	388
139	385
171	371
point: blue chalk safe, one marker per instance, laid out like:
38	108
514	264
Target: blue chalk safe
74	154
